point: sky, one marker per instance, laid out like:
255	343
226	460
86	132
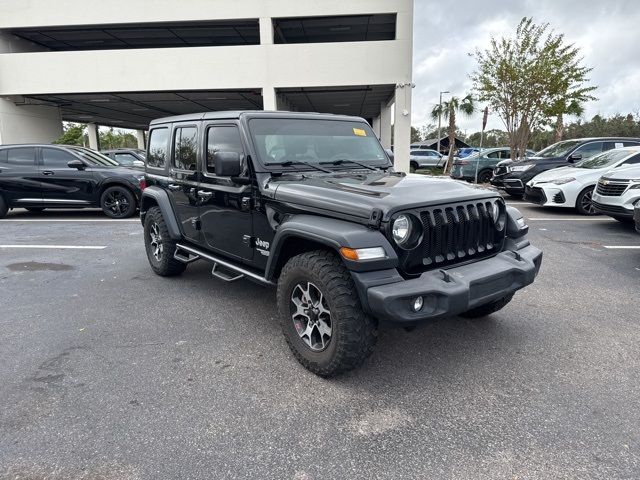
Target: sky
445	33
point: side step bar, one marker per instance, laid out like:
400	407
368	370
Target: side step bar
193	254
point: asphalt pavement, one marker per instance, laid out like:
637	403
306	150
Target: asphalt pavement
108	371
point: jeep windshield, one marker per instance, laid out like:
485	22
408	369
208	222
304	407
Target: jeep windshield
559	149
330	143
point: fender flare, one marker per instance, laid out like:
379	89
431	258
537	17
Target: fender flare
334	234
161	198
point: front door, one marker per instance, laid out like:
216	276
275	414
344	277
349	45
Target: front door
61	184
19	178
183	185
225	206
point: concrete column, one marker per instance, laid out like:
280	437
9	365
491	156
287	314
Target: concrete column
140	138
94	139
269	101
402	127
266	31
376	126
385	125
24	123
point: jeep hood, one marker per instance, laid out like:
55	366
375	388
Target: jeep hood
357	194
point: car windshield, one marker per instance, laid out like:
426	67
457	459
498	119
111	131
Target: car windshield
559	149
280	140
94	158
606	159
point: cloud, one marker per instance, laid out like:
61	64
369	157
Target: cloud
446	33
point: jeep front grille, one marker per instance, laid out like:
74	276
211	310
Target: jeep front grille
459	232
611	188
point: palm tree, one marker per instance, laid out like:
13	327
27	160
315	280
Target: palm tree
448	110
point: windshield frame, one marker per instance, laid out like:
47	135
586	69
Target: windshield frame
246	120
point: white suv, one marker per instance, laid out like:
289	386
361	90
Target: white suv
618	192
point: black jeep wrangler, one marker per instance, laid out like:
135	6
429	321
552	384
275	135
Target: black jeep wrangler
310	203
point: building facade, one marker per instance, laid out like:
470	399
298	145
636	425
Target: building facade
123	63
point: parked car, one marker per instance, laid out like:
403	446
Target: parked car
348	242
465	152
127	157
425	158
573	186
618	193
39	176
465	169
513	177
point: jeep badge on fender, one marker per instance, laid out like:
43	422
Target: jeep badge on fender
350	244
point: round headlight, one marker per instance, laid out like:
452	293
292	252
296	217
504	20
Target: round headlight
401	229
498	215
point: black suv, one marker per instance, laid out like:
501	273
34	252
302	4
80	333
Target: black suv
36	177
310	203
513	176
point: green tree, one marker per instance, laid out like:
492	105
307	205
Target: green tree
448	111
74	134
530	78
415	135
112	138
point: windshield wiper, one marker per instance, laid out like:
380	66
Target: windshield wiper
342	161
289	163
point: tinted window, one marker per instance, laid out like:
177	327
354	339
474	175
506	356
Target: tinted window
632	161
612	145
630	144
22	156
494	155
55	158
125	158
222	139
185	143
589	150
158	147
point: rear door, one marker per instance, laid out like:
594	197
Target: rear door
225	207
19	177
63	185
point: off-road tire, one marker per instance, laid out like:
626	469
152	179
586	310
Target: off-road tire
353	333
167	265
487	308
34	209
582	198
4	208
122	192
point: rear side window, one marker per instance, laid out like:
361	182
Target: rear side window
185	142
589	150
22	156
631	144
222	139
55	158
157	157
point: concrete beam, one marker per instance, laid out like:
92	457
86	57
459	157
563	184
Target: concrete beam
269	100
402	127
266	31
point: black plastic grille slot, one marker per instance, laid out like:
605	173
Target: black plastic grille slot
457	233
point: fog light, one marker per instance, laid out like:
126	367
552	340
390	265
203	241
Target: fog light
417	304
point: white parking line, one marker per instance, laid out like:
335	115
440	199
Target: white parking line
62	220
55	247
622	247
569	219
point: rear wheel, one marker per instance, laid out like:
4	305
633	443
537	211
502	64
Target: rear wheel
484	176
584	202
4	208
118	202
487	308
160	246
321	316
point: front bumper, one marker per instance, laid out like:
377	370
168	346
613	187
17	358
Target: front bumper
464	287
621	206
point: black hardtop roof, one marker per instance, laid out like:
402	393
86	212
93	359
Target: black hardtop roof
236	114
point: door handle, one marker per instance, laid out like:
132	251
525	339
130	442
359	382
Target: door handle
174	187
47	172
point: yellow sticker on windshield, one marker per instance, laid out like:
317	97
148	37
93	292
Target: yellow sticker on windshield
360	132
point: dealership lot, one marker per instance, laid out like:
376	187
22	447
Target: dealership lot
108	371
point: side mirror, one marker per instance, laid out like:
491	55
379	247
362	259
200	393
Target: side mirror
575	157
227	164
77	164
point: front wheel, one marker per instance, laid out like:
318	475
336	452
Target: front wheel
321	316
484	177
584	202
487	308
118	202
